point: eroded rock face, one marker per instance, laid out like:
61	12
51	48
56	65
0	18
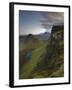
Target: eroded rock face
58	32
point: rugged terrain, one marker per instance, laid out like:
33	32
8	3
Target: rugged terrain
42	57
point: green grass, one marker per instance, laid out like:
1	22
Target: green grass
59	72
53	68
31	64
30	44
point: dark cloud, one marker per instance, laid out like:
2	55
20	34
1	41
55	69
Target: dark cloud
52	18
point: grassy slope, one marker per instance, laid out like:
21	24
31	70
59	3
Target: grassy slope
59	72
53	68
29	67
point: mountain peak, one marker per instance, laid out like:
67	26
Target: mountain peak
29	36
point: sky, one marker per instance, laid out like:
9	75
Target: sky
36	22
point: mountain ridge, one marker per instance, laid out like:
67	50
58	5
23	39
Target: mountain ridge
41	36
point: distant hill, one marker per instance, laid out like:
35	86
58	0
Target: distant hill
31	38
41	36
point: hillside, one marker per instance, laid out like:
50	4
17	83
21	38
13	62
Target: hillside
30	50
39	59
52	62
29	41
43	36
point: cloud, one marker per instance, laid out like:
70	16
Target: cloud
52	18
